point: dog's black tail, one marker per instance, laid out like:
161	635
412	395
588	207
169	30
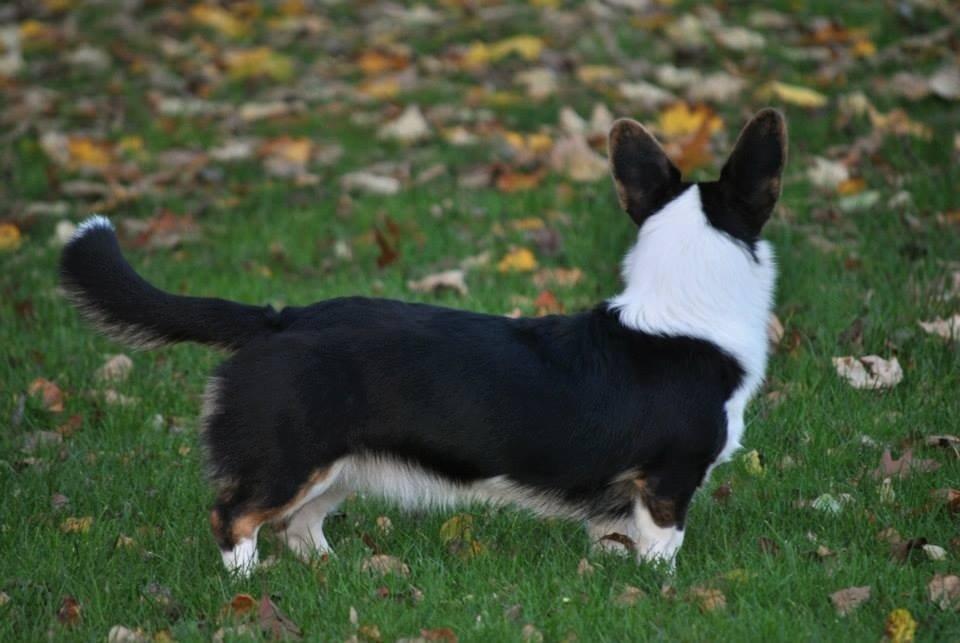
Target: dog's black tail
109	293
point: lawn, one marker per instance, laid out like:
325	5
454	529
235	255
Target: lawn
288	152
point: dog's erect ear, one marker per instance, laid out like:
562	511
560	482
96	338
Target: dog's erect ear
751	176
645	178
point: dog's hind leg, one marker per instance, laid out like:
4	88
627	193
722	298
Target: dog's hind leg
304	531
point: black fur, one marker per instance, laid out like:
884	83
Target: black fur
560	405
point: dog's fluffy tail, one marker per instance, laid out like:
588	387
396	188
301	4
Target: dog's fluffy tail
109	293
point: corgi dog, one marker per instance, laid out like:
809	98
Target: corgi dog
613	416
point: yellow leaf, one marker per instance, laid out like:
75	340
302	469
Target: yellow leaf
89	154
528	223
518	260
751	462
535	143
793	94
594	74
58	6
9	237
293	150
256	62
74	525
34	32
377	61
458	527
681	119
380	88
218	19
851	186
864	48
525	46
900	626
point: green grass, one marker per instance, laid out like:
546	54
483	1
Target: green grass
140	477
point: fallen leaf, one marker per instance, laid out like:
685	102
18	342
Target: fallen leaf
444	634
384	524
240	605
409	127
945	83
847	600
508	180
371	182
869	372
945	328
275	623
900	626
256	63
944	591
531	634
681	119
9	237
774	330
388	251
123	634
648	96
562	277
708	599
900	551
950	496
116	369
752	463
547	303
573	158
384	564
69	612
935	552
525	46
629	596
457	534
49	393
738	38
792	94
518	260
377	61
903	467
446	280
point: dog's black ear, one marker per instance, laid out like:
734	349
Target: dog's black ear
751	176
645	178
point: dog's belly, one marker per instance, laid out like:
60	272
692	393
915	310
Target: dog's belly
414	487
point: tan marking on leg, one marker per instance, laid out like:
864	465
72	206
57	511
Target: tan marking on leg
245	525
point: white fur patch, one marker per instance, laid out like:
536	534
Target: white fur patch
413	487
684	277
91	223
242	559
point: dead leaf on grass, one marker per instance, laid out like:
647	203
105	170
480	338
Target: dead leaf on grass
409	127
275	623
75	525
446	280
904	466
49	393
69	613
845	601
116	369
869	371
708	599
944	591
900	627
123	634
384	564
629	596
945	328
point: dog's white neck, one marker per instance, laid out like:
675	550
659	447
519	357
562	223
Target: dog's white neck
685	277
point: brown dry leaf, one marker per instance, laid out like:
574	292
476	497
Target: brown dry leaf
774	330
847	600
518	260
508	180
708	599
945	328
409	127
116	369
949	496
944	591
88	154
681	119
446	280
71	426
69	612
239	605
275	623
693	151
547	303
444	634
869	372
162	231
560	277
388	250
900	551
907	464
573	158
384	564
629	596
49	393
377	61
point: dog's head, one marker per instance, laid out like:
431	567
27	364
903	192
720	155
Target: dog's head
738	204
